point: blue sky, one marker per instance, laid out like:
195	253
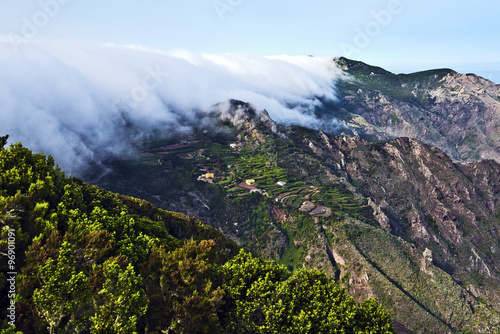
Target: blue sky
400	35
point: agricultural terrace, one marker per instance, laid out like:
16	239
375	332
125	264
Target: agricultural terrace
232	166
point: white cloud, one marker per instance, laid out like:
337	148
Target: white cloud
82	103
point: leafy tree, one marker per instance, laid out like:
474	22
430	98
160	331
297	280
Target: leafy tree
267	300
184	287
244	269
11	330
3	141
37	254
63	293
131	242
19	168
241	274
120	302
371	318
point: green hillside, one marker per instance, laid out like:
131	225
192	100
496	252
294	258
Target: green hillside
79	259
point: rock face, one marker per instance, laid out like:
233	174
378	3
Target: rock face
426	261
430	199
445	217
458	113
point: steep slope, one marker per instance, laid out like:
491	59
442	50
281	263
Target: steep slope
397	220
79	259
443	261
458	113
450	222
78	256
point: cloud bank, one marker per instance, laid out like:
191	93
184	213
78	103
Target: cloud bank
82	103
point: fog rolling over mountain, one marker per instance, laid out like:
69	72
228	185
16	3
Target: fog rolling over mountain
84	104
80	104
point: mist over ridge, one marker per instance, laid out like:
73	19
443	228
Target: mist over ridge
82	103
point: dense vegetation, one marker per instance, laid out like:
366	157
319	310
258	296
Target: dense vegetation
91	261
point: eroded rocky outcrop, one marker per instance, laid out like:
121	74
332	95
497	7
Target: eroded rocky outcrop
458	113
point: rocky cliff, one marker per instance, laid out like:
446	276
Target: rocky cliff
458	113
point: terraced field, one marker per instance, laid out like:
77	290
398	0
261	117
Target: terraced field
232	167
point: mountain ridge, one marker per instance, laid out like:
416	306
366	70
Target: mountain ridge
459	113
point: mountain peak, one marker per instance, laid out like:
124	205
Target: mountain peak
239	113
359	67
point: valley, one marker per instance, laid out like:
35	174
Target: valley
397	220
